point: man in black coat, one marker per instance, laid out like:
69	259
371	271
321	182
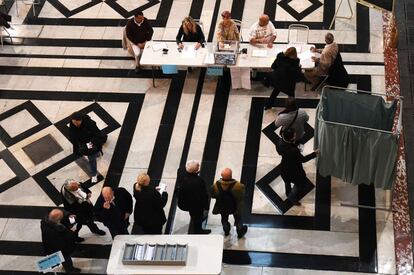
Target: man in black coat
76	200
113	208
193	196
56	236
87	140
286	72
291	166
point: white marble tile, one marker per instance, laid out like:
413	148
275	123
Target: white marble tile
107	12
6	172
61	31
46	62
27	192
48	11
22	230
237	119
26	31
20	263
365	70
73	4
93	32
95	51
231	156
3	223
32	49
81	63
13	61
92	12
117	64
109	84
240	269
18	123
181	9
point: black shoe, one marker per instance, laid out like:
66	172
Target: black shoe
99	232
297	203
79	239
137	69
242	232
205	231
190	69
267	107
74	270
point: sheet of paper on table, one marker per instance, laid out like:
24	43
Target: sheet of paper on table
259	53
189	52
157	46
305	55
209	59
162	187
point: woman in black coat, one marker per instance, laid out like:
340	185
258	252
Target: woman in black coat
190	31
286	72
149	216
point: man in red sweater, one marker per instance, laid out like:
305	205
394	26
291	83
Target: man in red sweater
138	32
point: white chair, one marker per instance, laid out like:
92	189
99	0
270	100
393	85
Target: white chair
298	33
239	26
5	33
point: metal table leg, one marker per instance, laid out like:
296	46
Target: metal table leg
153	77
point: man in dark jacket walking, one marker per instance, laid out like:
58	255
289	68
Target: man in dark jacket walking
76	200
57	236
193	196
113	208
87	140
286	72
229	195
291	166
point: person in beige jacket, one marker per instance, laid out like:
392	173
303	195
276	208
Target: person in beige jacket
229	195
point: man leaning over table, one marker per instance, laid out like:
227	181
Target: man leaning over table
263	32
138	31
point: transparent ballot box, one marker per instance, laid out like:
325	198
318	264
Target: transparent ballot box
155	254
225	52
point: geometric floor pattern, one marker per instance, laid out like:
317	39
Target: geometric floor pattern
67	57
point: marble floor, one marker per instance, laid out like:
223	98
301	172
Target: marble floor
67	56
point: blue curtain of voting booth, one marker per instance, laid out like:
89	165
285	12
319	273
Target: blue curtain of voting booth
348	149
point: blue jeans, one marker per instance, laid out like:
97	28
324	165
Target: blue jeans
92	163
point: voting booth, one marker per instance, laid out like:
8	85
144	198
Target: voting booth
357	133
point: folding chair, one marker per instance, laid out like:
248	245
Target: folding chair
298	33
239	26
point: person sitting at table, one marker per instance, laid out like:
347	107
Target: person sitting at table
227	29
263	32
138	31
286	72
149	215
190	31
324	62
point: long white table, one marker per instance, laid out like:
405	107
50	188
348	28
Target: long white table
201	58
205	253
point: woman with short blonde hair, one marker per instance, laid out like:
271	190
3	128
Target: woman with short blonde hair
149	215
227	29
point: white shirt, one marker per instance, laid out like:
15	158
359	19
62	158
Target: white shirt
257	31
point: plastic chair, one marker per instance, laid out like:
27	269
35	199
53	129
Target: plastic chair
239	26
298	33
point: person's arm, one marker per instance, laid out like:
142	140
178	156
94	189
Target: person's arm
301	158
214	190
98	208
236	32
150	30
95	139
85	188
130	33
201	38
179	36
219	34
252	34
163	198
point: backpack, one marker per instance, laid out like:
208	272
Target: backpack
225	201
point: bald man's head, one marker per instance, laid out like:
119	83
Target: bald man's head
226	174
263	20
107	193
56	215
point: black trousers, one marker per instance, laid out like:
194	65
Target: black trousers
67	264
196	221
237	222
276	91
118	229
146	230
90	224
301	186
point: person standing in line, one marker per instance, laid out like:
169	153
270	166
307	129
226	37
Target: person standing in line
229	195
193	196
113	208
76	200
291	166
87	140
149	216
58	235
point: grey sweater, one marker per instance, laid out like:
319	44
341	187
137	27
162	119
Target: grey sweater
285	119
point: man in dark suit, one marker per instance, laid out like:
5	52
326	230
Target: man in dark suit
76	200
193	196
291	166
57	236
113	208
87	140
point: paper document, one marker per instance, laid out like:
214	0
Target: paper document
209	59
162	187
157	46
189	52
149	253
259	53
305	55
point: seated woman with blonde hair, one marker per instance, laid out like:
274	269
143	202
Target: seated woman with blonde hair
149	216
190	31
